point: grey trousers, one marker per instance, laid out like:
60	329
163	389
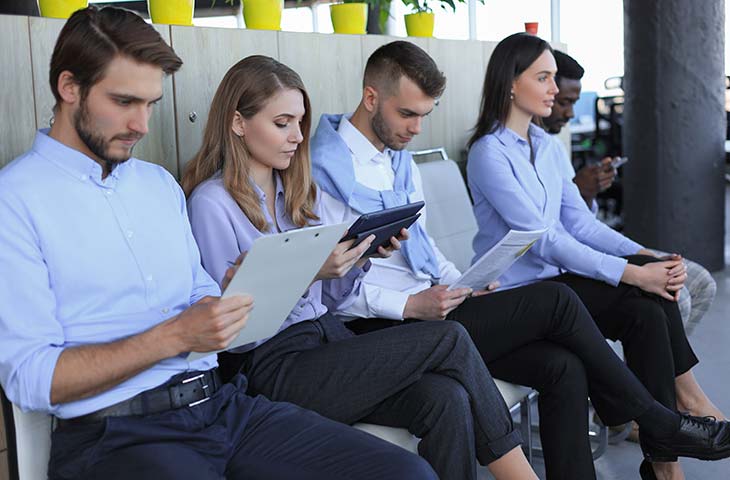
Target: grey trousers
427	377
697	294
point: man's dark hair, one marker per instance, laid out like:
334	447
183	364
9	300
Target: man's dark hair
92	37
393	60
567	67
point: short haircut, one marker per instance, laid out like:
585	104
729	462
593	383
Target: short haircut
393	60
93	37
567	67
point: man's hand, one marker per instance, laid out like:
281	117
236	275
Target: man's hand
593	179
434	303
211	324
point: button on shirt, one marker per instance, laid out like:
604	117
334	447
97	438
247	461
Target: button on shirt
510	192
223	231
86	261
390	281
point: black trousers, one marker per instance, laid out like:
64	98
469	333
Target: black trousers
542	336
231	436
426	377
649	327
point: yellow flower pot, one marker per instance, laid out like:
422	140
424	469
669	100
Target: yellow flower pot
171	12
60	8
262	14
419	24
349	17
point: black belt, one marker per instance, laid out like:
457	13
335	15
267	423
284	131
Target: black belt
185	390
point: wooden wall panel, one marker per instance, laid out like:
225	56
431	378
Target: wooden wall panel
458	108
4	474
43	35
208	53
158	146
331	67
16	96
3	444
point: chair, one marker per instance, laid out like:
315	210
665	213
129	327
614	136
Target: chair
28	437
450	222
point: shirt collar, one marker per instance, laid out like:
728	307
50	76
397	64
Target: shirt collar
359	145
279	188
509	137
71	160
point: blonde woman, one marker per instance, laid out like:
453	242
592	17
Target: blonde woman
252	178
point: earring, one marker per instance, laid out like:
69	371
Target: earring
511	95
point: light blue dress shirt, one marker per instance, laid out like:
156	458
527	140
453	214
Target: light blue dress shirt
223	231
86	261
510	192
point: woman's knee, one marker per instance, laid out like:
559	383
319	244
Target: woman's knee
564	371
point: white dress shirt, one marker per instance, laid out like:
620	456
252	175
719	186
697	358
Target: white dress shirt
390	281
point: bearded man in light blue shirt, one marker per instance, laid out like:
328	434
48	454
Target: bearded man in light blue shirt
103	296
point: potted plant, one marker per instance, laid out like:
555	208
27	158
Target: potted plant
261	14
171	12
350	16
60	8
420	22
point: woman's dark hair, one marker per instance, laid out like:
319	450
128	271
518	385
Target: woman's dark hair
512	56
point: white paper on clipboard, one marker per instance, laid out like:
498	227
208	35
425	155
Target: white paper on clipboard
276	272
498	259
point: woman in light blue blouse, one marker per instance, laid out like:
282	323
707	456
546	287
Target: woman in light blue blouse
514	177
252	177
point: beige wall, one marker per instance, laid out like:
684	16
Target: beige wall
330	65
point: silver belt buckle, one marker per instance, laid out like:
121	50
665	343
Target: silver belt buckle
205	389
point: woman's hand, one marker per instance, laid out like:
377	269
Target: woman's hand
664	278
385	252
489	289
231	271
343	258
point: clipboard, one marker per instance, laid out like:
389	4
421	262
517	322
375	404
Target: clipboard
277	270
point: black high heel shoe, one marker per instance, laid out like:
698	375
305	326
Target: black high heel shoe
647	471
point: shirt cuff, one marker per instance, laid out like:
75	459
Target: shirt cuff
389	304
612	269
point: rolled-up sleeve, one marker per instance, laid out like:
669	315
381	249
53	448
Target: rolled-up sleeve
31	338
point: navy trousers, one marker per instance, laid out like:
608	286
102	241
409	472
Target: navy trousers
231	436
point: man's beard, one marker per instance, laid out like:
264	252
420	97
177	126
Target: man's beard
384	134
95	141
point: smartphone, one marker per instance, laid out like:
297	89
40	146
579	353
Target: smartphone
618	161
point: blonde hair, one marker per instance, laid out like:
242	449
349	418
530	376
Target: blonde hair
246	88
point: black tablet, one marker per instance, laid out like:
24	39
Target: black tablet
371	221
383	233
